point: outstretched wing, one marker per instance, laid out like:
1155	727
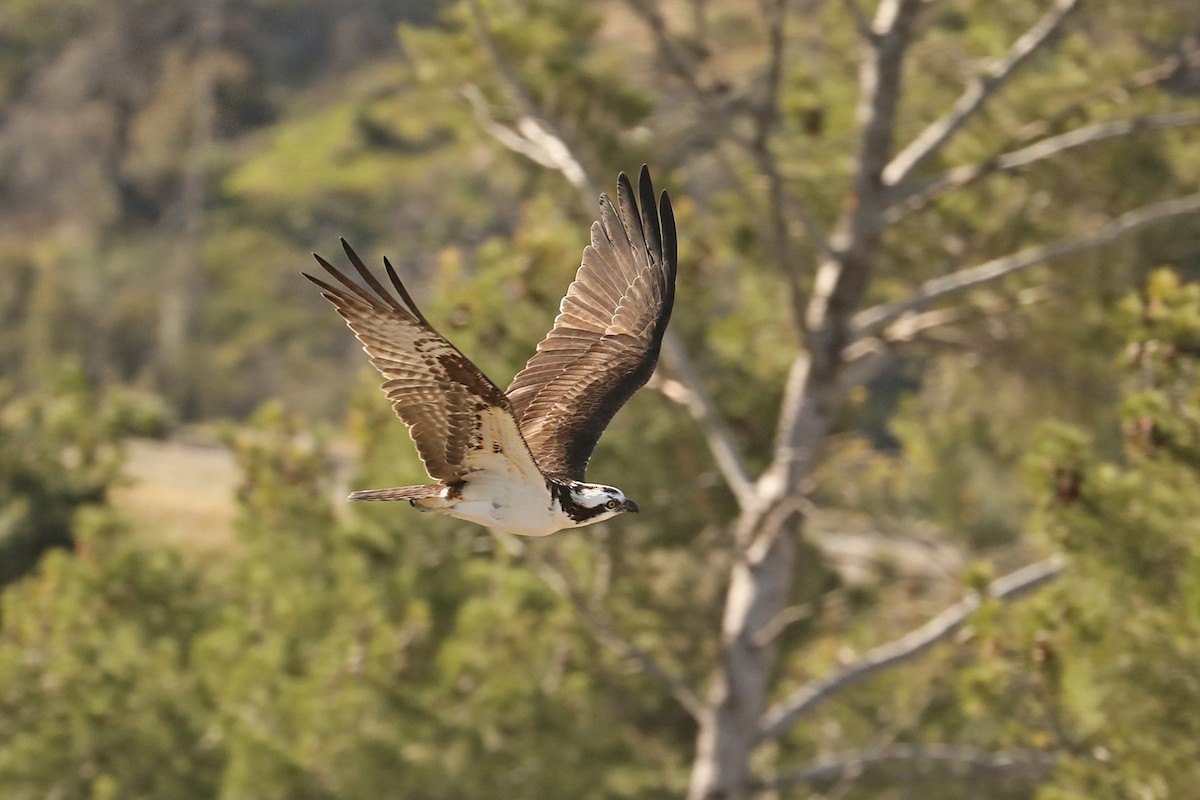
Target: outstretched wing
606	338
460	421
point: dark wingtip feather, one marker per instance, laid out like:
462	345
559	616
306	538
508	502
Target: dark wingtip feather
369	277
670	239
624	187
649	213
343	280
395	279
330	293
627	212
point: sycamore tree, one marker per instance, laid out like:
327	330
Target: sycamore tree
863	191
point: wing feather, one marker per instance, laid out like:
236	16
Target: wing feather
453	412
605	341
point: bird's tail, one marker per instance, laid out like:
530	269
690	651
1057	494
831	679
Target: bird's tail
399	493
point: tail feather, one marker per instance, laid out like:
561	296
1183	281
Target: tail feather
398	493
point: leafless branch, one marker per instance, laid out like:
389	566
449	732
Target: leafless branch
1119	92
788	617
934	761
683	390
775	18
605	632
537	136
530	139
915	197
759	147
935	136
719	110
780	719
865	358
913	326
863	361
921	194
872	320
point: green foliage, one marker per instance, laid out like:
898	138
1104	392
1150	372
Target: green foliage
96	666
59	455
314	663
1130	612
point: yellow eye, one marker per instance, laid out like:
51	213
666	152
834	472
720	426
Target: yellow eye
611	504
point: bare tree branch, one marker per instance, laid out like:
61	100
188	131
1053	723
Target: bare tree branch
872	320
775	18
605	632
531	140
919	195
721	444
1119	92
782	717
934	761
682	64
935	136
720	110
535	128
865	357
779	202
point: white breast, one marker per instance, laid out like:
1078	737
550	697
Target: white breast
513	506
504	489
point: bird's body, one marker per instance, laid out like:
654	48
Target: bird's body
515	460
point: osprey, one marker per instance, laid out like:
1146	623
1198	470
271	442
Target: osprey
514	460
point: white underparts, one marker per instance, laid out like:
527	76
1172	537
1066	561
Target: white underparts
512	506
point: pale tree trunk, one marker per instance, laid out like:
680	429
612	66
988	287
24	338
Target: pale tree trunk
767	532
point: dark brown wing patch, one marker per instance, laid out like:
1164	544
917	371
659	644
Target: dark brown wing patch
605	341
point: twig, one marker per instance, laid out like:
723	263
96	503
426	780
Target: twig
780	719
682	64
934	761
532	141
605	632
720	111
935	136
780	200
919	195
685	390
872	320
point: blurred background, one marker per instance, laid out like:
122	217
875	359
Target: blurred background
188	609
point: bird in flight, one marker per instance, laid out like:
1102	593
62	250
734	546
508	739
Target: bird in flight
515	460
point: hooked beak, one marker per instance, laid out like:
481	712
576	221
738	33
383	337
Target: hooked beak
629	505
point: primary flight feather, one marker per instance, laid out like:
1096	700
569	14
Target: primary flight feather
515	460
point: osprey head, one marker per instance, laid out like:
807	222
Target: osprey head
586	503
